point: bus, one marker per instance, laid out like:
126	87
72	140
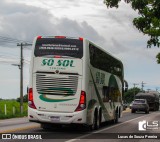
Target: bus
74	81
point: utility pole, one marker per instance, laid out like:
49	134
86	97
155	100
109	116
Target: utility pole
157	88
148	90
21	73
134	84
143	85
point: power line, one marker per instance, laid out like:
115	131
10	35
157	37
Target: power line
5	57
142	84
8	62
12	60
13	40
29	48
134	84
8	57
8	53
8	40
21	73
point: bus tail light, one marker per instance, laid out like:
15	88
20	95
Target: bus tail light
82	101
30	99
39	37
81	38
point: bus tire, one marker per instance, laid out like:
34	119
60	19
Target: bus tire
116	117
147	111
100	117
45	126
132	111
92	126
95	124
98	122
49	126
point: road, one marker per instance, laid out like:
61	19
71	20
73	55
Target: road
16	124
124	130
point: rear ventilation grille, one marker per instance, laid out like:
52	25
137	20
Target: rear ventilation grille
49	84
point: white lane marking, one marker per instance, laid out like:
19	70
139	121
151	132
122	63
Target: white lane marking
80	137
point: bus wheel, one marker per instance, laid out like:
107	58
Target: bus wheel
48	126
98	122
100	117
116	117
95	124
45	126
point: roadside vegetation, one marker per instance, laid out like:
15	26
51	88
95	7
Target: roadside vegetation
130	94
11	108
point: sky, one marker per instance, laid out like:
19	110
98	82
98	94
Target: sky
112	29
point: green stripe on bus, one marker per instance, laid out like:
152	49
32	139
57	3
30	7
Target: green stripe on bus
67	90
104	110
46	99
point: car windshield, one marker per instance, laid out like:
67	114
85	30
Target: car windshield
139	101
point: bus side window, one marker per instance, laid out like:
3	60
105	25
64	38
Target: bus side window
114	94
92	52
105	94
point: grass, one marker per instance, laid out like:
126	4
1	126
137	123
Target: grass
13	109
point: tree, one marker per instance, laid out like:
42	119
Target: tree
129	95
158	58
149	20
25	98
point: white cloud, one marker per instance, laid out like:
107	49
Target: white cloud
26	22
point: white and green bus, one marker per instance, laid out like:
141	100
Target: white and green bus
73	81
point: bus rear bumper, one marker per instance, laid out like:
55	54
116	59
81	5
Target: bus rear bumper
57	117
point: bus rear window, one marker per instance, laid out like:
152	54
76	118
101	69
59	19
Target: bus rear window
59	46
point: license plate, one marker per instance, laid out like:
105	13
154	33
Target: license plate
55	118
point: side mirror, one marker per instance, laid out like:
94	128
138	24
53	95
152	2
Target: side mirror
27	89
125	86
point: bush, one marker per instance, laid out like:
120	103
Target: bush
13	109
25	98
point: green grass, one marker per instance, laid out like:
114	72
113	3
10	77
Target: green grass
9	105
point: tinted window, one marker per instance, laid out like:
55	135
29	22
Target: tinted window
110	93
100	59
139	101
59	46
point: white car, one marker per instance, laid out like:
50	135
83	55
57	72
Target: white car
130	106
140	105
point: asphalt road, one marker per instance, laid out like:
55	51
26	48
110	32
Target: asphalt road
127	129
